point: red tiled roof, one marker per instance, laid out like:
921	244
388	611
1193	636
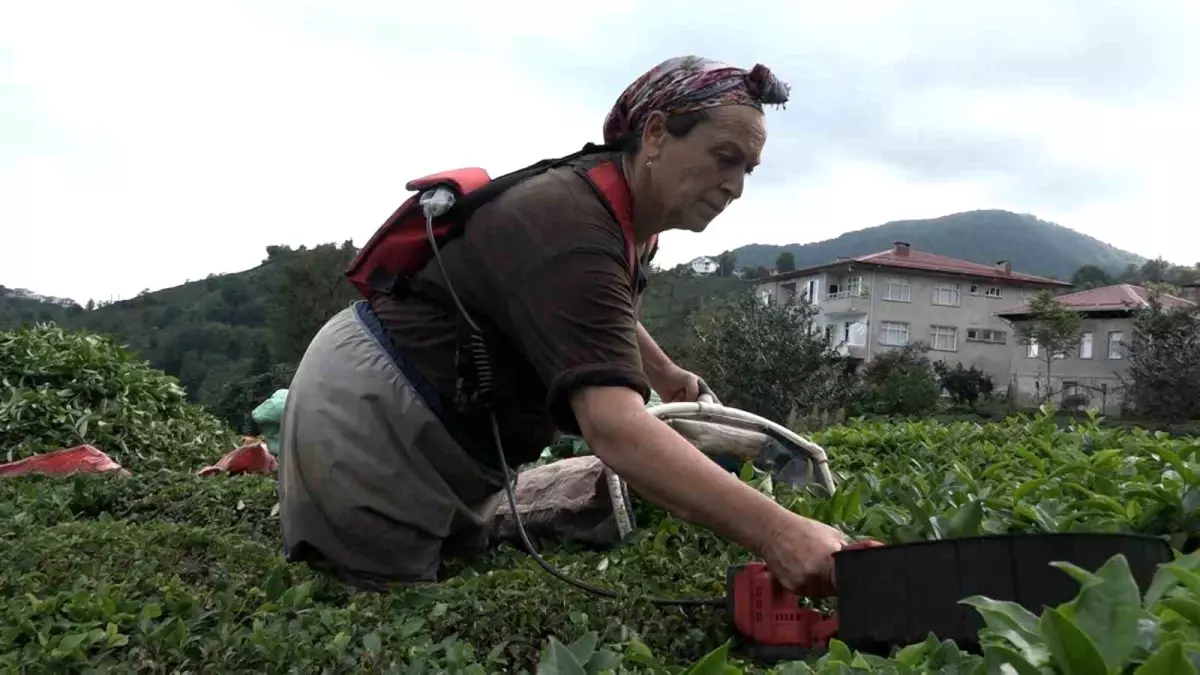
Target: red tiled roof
1108	298
920	260
939	263
915	260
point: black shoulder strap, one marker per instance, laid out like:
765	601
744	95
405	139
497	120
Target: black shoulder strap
468	204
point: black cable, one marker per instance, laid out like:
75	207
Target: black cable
477	349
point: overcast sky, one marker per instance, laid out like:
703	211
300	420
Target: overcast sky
146	144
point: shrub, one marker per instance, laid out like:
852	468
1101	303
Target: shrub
1164	363
65	388
766	358
900	382
964	385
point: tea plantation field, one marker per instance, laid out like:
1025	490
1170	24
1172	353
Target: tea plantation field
166	572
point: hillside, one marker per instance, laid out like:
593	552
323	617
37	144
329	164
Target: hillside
1032	245
221	336
208	333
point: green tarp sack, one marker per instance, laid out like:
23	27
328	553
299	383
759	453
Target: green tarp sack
267	416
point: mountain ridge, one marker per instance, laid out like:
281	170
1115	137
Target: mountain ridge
985	236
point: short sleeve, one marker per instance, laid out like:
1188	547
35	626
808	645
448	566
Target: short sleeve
574	319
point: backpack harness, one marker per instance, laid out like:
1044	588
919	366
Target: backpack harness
440	211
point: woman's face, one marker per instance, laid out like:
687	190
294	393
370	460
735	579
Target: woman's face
691	180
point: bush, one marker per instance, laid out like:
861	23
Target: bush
66	388
965	386
767	359
900	382
1164	363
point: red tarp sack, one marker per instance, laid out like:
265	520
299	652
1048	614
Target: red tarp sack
252	458
79	459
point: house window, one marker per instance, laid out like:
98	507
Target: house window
893	334
1085	346
1031	349
829	332
993	292
973	289
897	290
945	338
854	287
1115	350
946	294
986	335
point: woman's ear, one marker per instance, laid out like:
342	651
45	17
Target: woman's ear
654	133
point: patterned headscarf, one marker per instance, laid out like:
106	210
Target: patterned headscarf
686	84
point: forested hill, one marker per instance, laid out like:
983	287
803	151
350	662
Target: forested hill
1033	246
231	339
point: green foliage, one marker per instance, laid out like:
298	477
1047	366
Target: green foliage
901	382
726	264
308	291
167	572
785	262
61	389
239	397
766	358
1164	363
672	298
1052	328
964	385
1090	276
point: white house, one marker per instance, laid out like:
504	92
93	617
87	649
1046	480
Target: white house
704	265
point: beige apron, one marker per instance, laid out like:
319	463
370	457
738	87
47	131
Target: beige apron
371	483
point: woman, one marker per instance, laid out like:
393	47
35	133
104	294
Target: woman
383	475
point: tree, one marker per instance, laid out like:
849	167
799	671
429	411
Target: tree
1051	328
1163	380
766	359
726	264
786	262
755	272
1157	270
1090	276
310	290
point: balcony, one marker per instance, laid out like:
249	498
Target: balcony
851	350
853	301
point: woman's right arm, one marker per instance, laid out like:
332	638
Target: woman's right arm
667	470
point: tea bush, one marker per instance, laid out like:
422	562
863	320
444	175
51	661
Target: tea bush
61	388
168	572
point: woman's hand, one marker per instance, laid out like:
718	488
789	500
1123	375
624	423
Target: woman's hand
676	385
800	556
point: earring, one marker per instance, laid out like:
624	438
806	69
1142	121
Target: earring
649	163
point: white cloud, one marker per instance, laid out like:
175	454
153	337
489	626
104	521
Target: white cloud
185	141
